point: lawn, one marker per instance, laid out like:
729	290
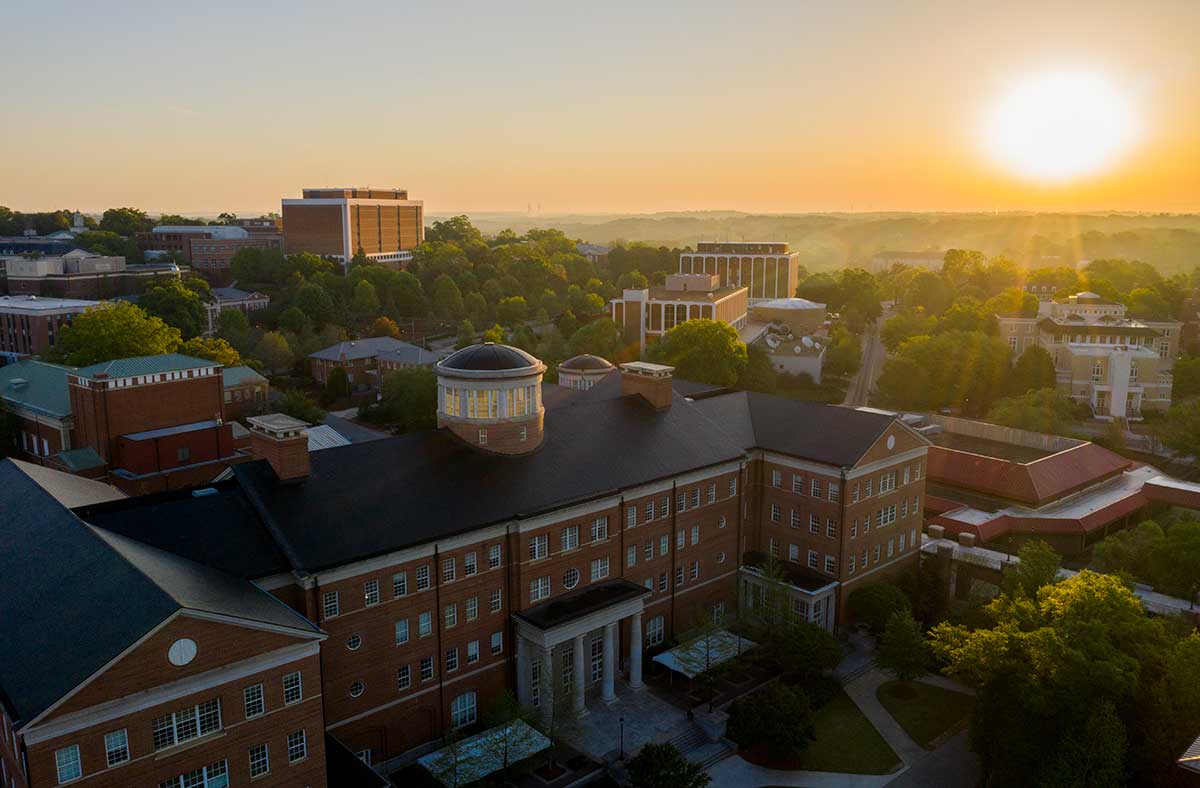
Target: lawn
926	712
847	742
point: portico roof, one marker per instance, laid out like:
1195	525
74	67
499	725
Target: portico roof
577	604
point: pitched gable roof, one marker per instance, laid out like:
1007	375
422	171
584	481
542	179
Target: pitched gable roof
145	365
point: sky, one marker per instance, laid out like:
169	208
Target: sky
613	107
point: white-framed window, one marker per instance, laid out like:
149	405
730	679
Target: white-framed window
399	585
451	615
681	502
813	559
186	724
570	538
570	578
732	486
631	517
403	677
664	507
695	497
854	494
68	763
712	493
907	473
814	523
900	543
773	546
329	604
694	570
777	478
260	761
297	746
472	608
252	697
854	529
850	564
426	668
631	556
599	529
402	632
662	582
867	488
679	576
830	565
648	515
695	534
371	592
472	651
463	710
877	553
904	509
794	552
599	568
424	624
497	642
449	570
215	775
887	482
423	577
482	436
470	564
293	688
797	484
891	547
539	547
721	521
721	557
654	631
648	550
539	588
451	660
357	689
664	545
116	746
776	513
835	492
831	528
649	583
494	556
680	539
816	488
917	471
496	601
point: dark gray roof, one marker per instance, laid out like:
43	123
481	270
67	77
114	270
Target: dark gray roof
586	361
44	389
581	602
489	356
363	348
827	434
73	597
345	770
144	365
349	508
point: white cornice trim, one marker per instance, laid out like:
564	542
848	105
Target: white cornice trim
251	624
165	693
433	687
887	462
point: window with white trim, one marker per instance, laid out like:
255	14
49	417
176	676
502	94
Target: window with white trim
423	577
252	697
451	615
497	642
850	564
867	488
654	631
451	660
357	689
694	571
648	550
426	668
371	592
831	528
773	546
648	515
424	624
664	545
830	565
776	513
599	568
539	588
399	585
472	608
816	488
293	688
472	652
631	517
891	547
116	746
854	529
494	556
835	492
887	482
797	484
813	559
776	478
403	677
681	502
679	576
215	775
449	570
695	497
539	547
470	565
732	486
186	724
712	493
854	494
599	529
569	539
496	601
680	539
329	604
814	523
297	746
794	552
662	582
631	556
695	534
900	543
402	632
260	761
664	507
463	710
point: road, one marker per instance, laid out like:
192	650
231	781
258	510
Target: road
873	356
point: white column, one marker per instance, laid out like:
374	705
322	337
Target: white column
608	691
635	651
579	677
546	688
524	676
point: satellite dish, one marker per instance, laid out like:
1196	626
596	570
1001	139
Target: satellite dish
797	349
807	341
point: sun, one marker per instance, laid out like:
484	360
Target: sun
1060	126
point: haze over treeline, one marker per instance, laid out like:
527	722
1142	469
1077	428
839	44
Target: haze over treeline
828	241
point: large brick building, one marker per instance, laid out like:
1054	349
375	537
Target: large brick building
649	313
29	324
542	539
80	274
338	223
208	248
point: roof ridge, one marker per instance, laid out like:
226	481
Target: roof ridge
264	514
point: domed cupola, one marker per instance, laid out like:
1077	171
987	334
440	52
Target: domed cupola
583	372
491	396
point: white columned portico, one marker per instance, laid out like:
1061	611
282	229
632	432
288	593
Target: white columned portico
546	688
608	690
578	676
635	651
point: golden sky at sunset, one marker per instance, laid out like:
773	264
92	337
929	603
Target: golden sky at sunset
613	107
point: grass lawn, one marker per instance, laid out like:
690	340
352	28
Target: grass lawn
924	711
847	742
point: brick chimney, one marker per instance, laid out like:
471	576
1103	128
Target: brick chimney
282	441
651	381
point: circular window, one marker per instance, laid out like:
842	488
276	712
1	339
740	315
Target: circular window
571	578
721	558
721	522
182	651
353	642
891	443
356	689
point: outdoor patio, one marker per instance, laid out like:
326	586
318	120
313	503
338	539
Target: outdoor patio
648	718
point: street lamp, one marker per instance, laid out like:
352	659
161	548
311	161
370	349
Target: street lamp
622	721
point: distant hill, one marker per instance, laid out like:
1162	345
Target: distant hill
828	241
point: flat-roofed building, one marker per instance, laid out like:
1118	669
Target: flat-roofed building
1118	366
339	223
651	312
81	274
207	248
766	269
30	325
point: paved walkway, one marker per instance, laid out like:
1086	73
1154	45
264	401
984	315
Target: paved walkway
735	772
647	718
862	692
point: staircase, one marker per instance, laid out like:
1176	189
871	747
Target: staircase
697	747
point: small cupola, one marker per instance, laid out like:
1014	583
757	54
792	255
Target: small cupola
490	396
283	442
583	371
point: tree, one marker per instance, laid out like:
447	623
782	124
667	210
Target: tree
125	221
315	303
601	337
1038	567
567	324
408	400
778	719
1034	370
1175	564
706	351
178	306
1045	410
494	334
511	311
960	369
1013	302
930	293
1130	551
843	356
293	319
232	322
1180	428
513	728
111	330
274	352
902	327
384	326
466	335
337	386
365	302
213	349
876	603
758	374
663	766
299	405
968	314
801	650
447	298
1185	377
902	650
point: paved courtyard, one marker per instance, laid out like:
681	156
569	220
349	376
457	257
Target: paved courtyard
648	718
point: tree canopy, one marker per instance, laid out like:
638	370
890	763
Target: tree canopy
111	330
707	351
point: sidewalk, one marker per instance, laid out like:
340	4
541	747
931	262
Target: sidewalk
862	692
734	772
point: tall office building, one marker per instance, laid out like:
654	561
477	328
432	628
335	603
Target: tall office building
338	223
